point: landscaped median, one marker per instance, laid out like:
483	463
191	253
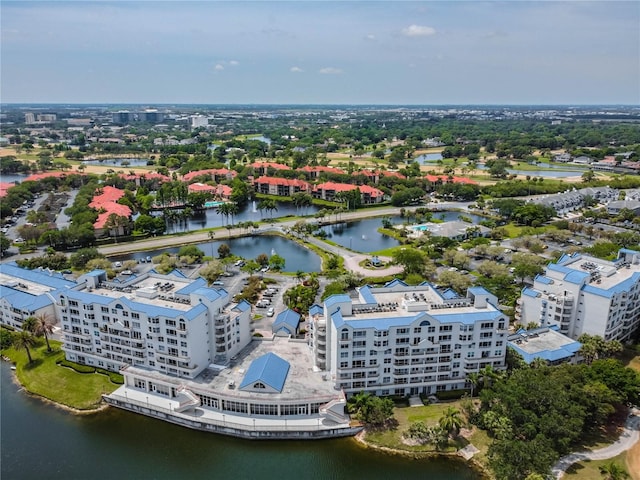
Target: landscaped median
51	377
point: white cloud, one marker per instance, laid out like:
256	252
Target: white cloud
234	63
418	31
330	71
219	67
296	70
370	37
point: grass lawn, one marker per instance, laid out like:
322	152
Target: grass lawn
62	385
405	416
589	469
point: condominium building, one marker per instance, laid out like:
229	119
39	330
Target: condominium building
407	340
583	294
28	293
164	323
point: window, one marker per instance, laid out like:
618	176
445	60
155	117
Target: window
359	333
344	364
446	328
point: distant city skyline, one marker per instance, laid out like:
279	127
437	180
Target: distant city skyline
321	52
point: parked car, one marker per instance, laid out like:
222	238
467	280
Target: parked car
270	312
218	283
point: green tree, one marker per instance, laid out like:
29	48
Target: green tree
43	327
223	250
451	421
613	471
413	260
24	340
5	243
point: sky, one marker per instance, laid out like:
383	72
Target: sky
320	52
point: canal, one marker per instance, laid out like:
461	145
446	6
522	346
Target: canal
42	441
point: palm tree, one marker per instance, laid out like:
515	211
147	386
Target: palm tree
23	340
44	326
613	471
451	422
357	403
474	379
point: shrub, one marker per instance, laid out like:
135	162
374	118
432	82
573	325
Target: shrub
77	367
451	394
113	376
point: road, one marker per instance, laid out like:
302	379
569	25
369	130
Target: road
629	436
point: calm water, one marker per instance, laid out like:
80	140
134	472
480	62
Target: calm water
296	257
12	177
211	218
41	441
363	235
428	158
118	162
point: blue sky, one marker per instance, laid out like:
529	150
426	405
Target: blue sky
372	52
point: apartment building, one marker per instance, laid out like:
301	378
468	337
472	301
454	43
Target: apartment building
407	340
583	294
166	323
28	293
284	187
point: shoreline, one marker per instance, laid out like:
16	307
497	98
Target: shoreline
75	411
476	466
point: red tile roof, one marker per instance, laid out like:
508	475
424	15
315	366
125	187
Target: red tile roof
381	173
276	166
147	176
187	177
201	187
109	195
39	176
346	187
4	186
111	207
292	182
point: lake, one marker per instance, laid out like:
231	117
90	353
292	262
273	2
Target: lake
363	236
428	158
42	441
296	257
210	218
119	162
12	177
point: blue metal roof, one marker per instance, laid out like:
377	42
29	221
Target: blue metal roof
627	250
466	318
559	268
564	352
367	296
338	298
316	309
208	293
177	273
269	369
530	292
243	306
54	280
287	319
395	282
544	280
95	273
196	284
449	294
576	276
24	300
478	290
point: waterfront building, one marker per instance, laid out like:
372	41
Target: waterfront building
569	201
583	294
166	323
407	340
262	168
284	187
317	170
28	293
545	343
329	190
454	229
217	174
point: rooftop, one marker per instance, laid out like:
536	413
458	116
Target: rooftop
545	343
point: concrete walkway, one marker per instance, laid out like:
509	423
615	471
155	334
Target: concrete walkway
630	435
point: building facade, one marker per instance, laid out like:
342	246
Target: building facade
407	340
582	294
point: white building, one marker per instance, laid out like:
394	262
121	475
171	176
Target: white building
199	121
28	293
166	323
582	294
407	340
